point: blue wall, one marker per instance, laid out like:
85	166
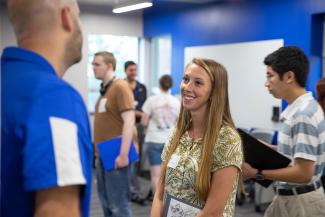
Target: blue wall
298	22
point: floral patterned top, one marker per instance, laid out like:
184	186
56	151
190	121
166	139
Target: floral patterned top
180	178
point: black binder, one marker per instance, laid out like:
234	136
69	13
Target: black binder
260	156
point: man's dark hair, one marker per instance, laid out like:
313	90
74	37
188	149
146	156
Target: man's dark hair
289	58
128	63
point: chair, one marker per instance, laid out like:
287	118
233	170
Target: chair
247	130
263	195
263	134
245	188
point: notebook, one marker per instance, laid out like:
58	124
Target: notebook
260	156
109	151
178	207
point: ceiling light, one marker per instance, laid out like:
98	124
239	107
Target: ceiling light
131	5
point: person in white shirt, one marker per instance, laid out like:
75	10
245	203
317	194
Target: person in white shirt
160	115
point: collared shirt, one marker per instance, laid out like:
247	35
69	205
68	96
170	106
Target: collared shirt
45	139
183	166
302	134
108	122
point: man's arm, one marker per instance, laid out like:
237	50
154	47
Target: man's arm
58	201
138	114
127	134
302	171
144	120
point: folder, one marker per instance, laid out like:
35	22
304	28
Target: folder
262	157
110	150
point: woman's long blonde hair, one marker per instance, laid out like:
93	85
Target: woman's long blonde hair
218	113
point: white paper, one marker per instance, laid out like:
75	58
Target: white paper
179	209
102	105
173	161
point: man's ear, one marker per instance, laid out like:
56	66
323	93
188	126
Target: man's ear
290	77
110	66
66	19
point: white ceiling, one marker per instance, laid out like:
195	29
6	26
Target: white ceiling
112	2
108	2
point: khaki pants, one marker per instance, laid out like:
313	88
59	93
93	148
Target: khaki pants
310	204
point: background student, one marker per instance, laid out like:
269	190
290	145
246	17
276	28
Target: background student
114	116
140	95
159	116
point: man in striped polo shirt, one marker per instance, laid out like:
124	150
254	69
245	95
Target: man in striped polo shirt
301	138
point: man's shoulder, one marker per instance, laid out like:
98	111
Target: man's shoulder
46	86
141	86
36	75
55	93
310	116
310	110
62	88
120	83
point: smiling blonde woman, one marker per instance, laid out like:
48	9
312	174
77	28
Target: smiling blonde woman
203	157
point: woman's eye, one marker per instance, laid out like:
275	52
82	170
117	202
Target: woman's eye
198	83
185	79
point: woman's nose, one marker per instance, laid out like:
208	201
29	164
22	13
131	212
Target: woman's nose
188	86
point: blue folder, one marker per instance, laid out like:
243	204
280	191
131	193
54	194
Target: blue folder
110	150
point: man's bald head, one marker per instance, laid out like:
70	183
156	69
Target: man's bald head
33	17
48	27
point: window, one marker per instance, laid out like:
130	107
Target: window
161	59
124	48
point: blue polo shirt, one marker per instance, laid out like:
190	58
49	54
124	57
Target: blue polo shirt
45	135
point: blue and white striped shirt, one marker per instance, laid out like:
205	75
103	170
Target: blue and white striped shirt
302	134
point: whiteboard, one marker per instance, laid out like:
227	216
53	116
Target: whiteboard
250	102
